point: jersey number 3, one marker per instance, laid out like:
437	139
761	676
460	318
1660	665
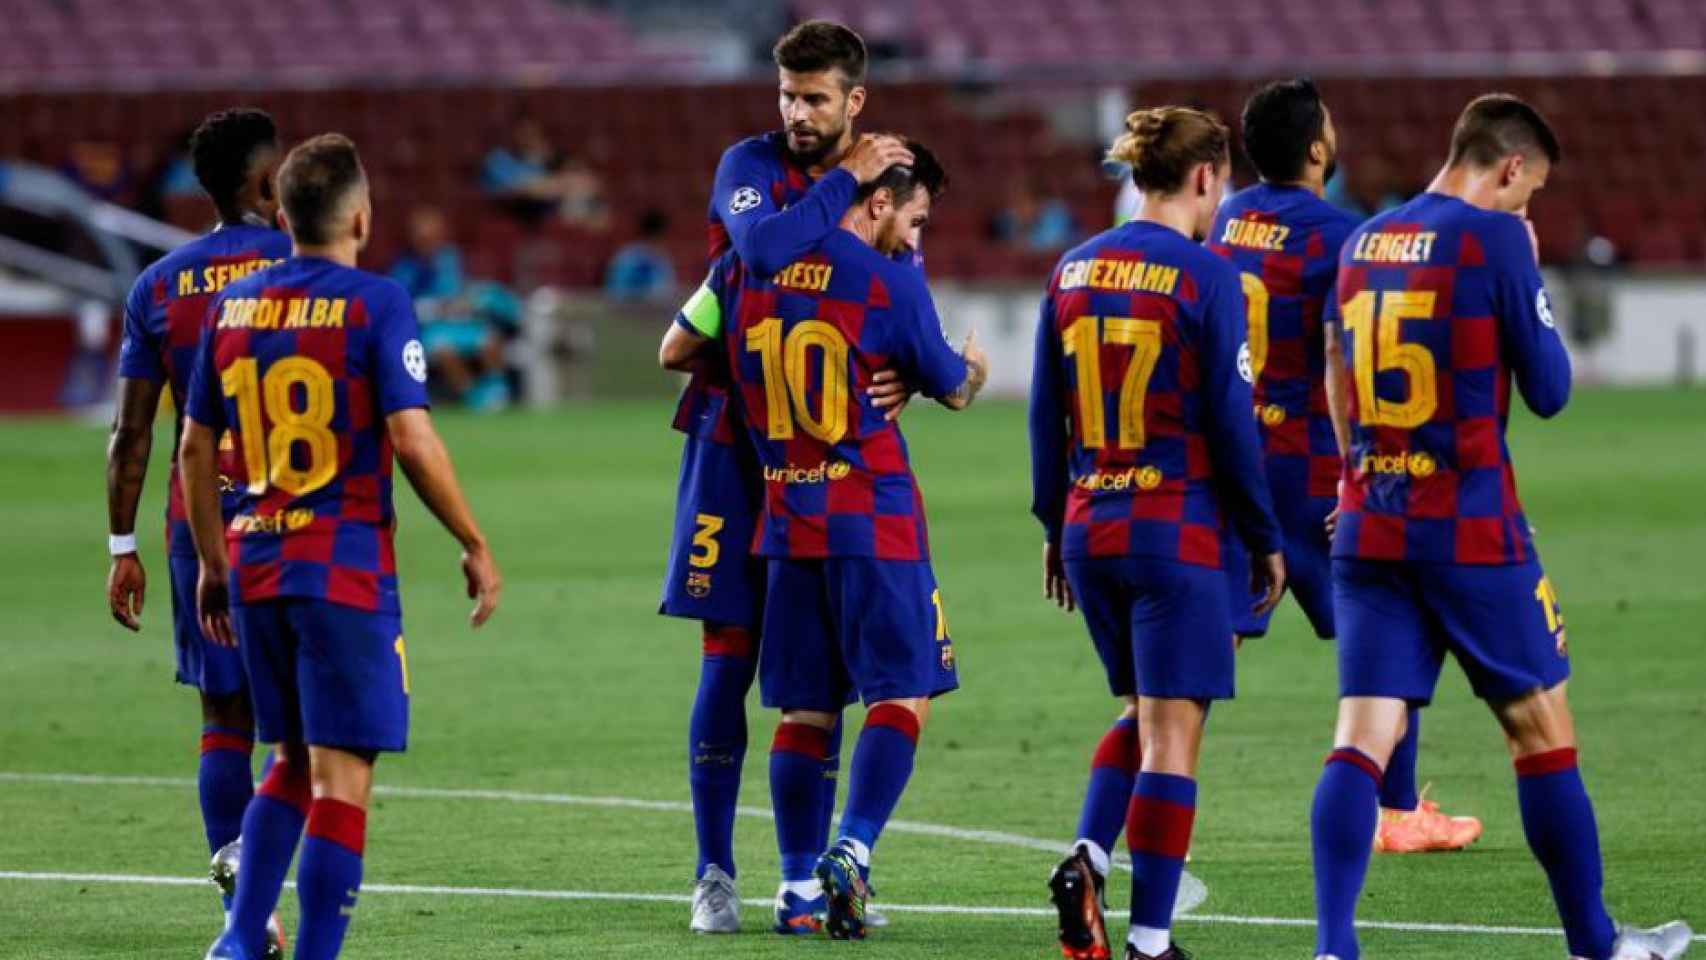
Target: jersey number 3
269	456
787	365
1377	348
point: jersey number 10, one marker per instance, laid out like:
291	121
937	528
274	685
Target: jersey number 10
267	455
786	363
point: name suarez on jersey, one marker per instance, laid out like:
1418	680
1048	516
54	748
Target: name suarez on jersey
295	313
212	279
1254	234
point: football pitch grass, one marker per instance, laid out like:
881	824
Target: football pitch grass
547	755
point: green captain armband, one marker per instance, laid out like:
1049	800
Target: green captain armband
702	313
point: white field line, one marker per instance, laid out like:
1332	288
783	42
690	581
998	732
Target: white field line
562	799
938	908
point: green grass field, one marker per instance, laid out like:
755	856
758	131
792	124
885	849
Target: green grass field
577	688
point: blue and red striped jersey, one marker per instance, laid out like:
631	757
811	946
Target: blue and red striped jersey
1140	403
162	325
1440	303
1285	242
803	345
302	363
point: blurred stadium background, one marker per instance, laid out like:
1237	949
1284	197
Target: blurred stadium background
625	107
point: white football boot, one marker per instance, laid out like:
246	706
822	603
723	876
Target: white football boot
1665	942
223	873
716	904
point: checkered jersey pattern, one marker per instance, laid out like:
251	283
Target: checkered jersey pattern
803	347
1169	433
319	522
1441	304
703	410
1287	240
162	325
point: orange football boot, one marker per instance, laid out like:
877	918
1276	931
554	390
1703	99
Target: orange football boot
1423	829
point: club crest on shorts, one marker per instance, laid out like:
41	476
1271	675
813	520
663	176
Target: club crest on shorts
698	585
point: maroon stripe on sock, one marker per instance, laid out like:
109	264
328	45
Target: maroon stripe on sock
895	717
726	642
1118	749
1358	759
344	824
220	740
1552	761
801	738
286	784
1158	827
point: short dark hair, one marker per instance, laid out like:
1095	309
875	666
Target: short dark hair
818	45
1280	122
317	176
1496	125
903	181
1162	145
223	146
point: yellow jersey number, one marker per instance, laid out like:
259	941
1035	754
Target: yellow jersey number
706	550
1378	348
1256	313
786	363
267	455
1082	340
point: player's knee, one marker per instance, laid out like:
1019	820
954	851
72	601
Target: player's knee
345	775
230	711
1537	722
811	718
1128	709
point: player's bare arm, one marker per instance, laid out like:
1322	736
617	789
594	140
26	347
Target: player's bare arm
128	447
1056	586
426	462
198	472
680	348
1338	404
977	374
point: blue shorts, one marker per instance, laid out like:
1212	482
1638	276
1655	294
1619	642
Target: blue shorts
325	674
853	625
1162	628
207	666
1308	569
712	574
1398	620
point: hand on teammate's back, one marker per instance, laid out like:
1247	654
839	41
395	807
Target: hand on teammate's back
126	584
889	393
484	582
1267	574
872	154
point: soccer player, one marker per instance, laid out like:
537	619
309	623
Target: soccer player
775	196
316	369
1284	239
1439	306
235	153
1141	443
852	606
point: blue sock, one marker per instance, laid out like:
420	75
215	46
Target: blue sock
882	763
1113	777
271	828
329	876
831	780
1557	819
796	796
716	743
1158	833
1341	829
1398	785
225	784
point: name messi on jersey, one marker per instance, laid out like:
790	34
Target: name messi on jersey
296	313
1119	276
216	278
804	276
1394	247
1254	235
